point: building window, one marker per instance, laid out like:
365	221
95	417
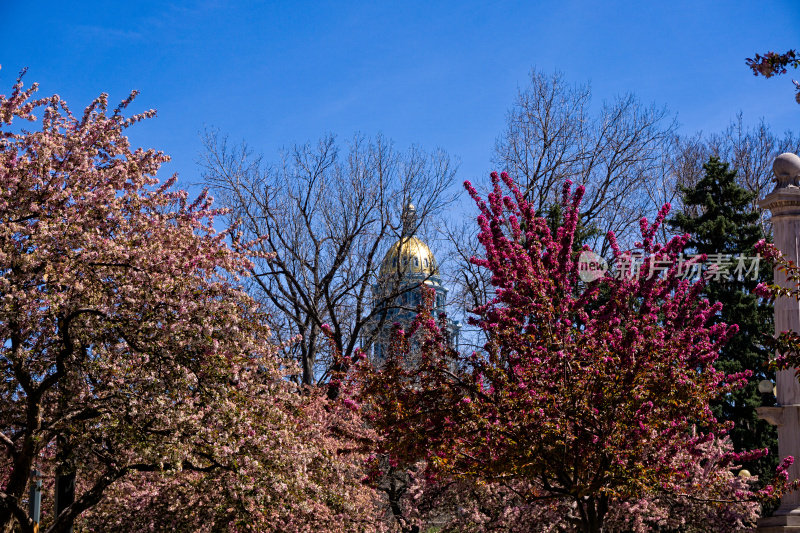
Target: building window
416	262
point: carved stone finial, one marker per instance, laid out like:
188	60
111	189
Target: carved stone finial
787	170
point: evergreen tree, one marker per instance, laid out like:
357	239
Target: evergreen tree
727	224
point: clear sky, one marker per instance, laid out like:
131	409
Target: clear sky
438	74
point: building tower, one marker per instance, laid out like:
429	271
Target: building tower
407	267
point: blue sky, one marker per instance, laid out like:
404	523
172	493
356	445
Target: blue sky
435	74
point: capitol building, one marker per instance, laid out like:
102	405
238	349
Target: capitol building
407	266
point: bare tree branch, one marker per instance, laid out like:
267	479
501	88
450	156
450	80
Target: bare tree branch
327	218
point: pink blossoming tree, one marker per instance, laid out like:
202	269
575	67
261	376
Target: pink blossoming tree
131	361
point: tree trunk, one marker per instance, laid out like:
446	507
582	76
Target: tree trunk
65	479
592	514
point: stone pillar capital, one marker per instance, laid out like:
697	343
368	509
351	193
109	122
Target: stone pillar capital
784	200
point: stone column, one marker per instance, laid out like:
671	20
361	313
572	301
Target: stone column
784	204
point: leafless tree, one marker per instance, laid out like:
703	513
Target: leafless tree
470	286
327	218
750	151
552	135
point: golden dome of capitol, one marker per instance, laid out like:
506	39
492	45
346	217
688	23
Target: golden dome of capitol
409	255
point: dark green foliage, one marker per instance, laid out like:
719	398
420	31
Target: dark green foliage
727	224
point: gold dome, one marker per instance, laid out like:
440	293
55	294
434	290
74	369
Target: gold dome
409	255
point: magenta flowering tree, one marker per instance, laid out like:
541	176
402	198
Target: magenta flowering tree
587	394
131	361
